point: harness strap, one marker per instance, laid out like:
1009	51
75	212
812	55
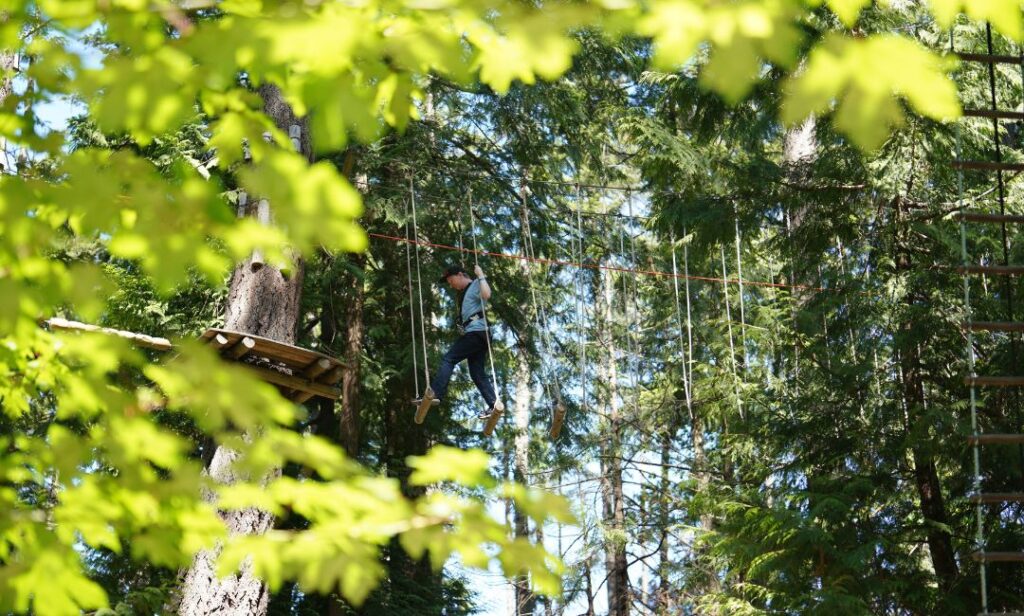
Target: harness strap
473	317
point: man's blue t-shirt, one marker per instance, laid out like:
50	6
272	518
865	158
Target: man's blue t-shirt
472	304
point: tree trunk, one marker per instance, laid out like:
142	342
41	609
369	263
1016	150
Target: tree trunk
263	302
664	600
615	555
349	422
525	600
926	479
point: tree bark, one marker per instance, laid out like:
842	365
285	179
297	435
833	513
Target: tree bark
351	401
615	548
926	479
525	600
263	302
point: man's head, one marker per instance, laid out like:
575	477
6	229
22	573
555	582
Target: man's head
456	277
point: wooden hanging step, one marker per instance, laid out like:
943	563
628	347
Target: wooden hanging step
999	114
998	557
994	326
997	498
984	217
994	381
989	58
987	165
996	439
313	374
992	270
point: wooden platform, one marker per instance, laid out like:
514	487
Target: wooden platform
312	373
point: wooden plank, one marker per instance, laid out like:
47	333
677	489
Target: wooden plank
999	114
994	326
296	358
985	217
996	439
150	342
992	270
557	420
241	348
295	382
316	368
424	406
996	498
492	421
998	557
219	341
330	378
987	165
989	58
994	381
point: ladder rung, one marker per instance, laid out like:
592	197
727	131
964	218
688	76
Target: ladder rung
987	165
996	439
983	217
998	498
999	114
994	326
989	58
994	270
998	557
995	381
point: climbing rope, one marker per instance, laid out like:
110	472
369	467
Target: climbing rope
419	281
483	302
732	348
679	329
412	309
739	276
580	304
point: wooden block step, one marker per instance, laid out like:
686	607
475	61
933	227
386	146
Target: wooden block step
997	498
995	381
983	217
992	270
987	165
989	58
996	439
998	557
994	326
999	114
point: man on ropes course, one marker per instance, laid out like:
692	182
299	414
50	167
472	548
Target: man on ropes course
473	345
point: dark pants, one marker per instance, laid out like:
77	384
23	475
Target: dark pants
470	346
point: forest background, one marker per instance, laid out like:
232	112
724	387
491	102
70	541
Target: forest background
721	233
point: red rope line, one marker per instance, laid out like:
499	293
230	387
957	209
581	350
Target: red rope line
639	272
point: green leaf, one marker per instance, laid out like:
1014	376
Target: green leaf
443	463
860	76
848	10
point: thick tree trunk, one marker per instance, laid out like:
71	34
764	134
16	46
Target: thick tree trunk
525	600
615	556
926	479
664	603
351	403
264	302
